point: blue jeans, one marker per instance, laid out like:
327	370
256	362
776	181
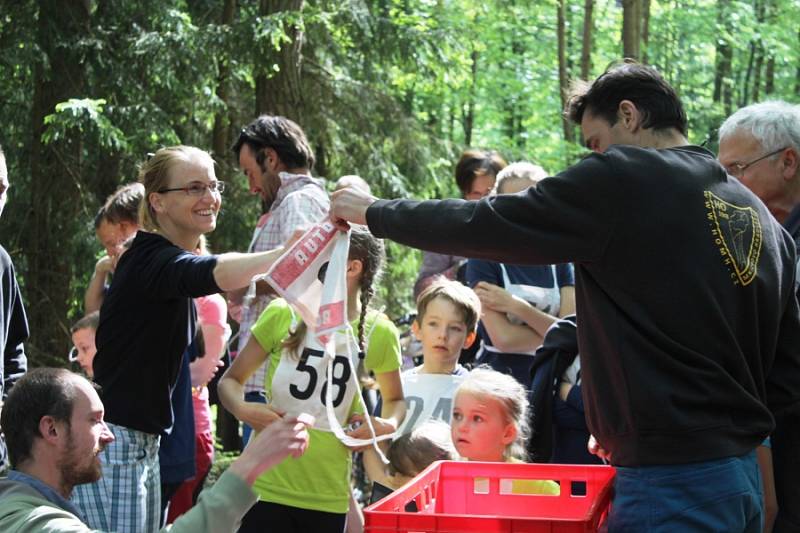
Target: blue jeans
719	495
253	397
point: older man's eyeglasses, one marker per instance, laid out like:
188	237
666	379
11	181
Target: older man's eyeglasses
737	169
198	188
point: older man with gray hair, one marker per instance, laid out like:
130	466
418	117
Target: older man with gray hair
760	145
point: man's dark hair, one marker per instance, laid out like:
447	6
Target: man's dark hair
655	99
121	206
474	162
40	392
282	135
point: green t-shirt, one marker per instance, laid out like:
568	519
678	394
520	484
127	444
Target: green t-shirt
324	470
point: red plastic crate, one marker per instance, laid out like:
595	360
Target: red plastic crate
450	500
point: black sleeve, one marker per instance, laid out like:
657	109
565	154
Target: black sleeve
783	399
15	363
569	217
783	375
180	274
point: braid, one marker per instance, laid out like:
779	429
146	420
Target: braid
367	292
369	251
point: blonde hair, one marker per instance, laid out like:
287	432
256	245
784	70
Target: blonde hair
459	295
154	175
411	453
483	382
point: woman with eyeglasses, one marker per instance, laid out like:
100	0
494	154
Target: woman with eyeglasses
147	321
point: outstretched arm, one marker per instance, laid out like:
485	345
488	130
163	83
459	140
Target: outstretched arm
559	221
235	270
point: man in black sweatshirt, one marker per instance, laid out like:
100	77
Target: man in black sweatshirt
13	322
689	326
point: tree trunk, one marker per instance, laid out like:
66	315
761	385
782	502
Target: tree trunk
55	174
722	82
220	135
280	92
757	50
745	85
631	28
797	73
468	114
588	27
645	28
757	72
563	74
769	76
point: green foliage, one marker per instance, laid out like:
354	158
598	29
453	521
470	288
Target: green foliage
390	89
84	116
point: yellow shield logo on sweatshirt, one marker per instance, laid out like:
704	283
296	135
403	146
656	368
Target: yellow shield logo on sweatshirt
737	234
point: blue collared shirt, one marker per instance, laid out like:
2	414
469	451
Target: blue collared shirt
45	490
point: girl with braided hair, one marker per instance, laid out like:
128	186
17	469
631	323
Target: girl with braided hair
312	493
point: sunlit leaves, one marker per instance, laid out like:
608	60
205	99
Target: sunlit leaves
83	116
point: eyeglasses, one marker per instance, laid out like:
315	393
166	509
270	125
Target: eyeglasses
73	354
737	169
197	188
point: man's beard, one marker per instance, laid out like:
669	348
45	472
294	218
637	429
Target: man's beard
270	186
74	467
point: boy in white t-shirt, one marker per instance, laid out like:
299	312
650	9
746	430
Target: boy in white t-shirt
447	317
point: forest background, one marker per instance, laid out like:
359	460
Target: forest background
392	90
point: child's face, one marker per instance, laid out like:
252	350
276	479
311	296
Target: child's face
84	343
442	332
479	428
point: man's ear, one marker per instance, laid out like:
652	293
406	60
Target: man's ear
629	115
471	336
272	160
49	429
791	164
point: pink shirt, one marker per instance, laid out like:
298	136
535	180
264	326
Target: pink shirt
211	309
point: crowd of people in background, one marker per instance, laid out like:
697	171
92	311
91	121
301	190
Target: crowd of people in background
638	308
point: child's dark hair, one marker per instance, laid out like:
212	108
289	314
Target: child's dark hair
475	162
122	206
370	252
413	452
90	321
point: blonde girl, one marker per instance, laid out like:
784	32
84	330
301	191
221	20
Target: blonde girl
312	493
490	423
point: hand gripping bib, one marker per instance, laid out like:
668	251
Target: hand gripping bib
311	277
